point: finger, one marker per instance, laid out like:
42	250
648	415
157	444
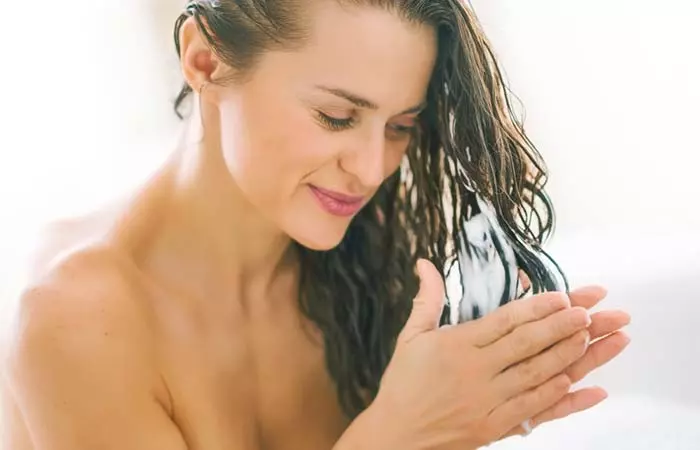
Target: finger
598	354
528	404
606	322
427	305
588	296
540	368
524	280
571	403
532	338
492	327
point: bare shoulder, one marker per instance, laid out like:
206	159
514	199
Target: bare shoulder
82	293
81	363
85	302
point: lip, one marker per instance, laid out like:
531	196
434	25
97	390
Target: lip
336	203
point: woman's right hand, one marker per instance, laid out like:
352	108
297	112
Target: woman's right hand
465	386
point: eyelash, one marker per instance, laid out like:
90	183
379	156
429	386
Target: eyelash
404	129
335	124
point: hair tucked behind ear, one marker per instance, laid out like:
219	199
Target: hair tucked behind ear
470	143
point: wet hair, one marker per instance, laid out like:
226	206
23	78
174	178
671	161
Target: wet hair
470	144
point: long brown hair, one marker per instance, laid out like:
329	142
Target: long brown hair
470	143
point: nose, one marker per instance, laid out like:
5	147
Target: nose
366	160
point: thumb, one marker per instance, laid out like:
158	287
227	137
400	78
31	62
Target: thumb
428	303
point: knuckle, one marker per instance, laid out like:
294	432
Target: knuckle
562	356
557	391
561	383
524	402
583	337
553	390
559	300
567	322
579	341
576	372
578	317
569	351
505	320
544	304
530	372
520	344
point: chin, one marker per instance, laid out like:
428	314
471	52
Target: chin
320	240
319	245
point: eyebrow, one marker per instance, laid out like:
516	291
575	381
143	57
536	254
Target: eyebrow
363	102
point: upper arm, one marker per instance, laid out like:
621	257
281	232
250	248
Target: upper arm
82	373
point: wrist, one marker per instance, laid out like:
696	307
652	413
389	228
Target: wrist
372	430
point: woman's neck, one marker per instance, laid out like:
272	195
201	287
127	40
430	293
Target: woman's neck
206	239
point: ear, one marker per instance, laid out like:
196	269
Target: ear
197	60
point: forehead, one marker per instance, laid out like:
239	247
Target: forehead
367	50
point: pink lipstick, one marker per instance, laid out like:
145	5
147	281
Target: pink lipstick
336	203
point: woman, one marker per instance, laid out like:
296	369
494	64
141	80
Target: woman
261	291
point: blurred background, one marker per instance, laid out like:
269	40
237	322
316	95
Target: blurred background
612	94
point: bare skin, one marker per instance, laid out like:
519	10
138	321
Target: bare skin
187	371
170	321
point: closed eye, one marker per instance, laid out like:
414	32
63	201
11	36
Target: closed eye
335	123
402	130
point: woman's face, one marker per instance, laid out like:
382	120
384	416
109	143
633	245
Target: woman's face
313	134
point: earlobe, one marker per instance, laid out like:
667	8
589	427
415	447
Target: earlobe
198	61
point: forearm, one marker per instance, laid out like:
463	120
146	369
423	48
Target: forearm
369	431
364	434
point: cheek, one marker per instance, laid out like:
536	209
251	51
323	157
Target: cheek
270	152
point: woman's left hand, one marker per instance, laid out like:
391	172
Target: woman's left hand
607	342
